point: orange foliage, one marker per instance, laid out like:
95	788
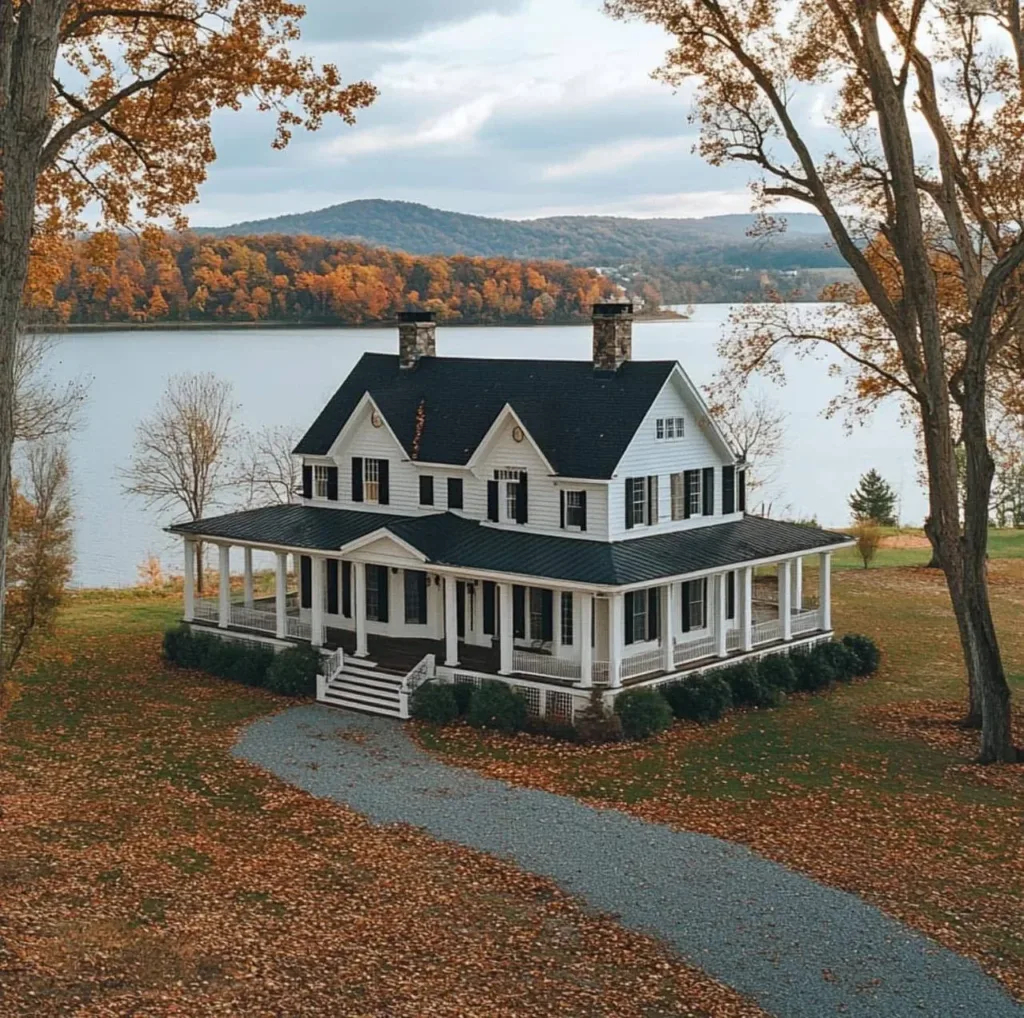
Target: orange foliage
186	277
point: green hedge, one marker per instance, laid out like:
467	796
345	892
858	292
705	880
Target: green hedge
866	651
644	712
292	672
702	698
495	705
776	672
747	688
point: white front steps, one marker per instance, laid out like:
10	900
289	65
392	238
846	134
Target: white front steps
361	685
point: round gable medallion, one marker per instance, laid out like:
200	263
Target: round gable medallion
376	420
517	434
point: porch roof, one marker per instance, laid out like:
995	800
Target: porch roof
445	539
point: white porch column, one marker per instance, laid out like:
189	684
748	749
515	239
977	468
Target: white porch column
798	584
668	615
786	600
451	623
825	590
721	585
746	578
190	579
505	625
316	614
615	640
359	606
586	617
248	578
281	595
224	590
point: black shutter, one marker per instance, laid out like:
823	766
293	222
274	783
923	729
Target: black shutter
730	596
357	478
704	603
627	618
583	510
306	581
519	612
492	501
384	488
728	490
651	507
460	609
346	589
629	502
426	489
653	613
547	615
332	484
742	475
307	481
489	591
454	492
685	596
382	593
421	583
709	491
522	500
561	509
332	586
687	491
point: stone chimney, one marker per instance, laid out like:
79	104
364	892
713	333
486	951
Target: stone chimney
417	337
613	335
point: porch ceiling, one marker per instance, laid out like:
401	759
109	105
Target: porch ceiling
448	540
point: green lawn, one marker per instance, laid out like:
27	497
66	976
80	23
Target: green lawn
1003	544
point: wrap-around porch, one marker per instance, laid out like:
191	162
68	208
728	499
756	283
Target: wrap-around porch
383	606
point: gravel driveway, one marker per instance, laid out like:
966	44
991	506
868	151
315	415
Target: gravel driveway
800	949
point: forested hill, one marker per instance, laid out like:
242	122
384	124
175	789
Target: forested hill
164	278
582	240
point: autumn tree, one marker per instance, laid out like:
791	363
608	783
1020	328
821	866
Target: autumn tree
266	472
39	549
922	196
874	500
755	428
868	536
111	104
181	456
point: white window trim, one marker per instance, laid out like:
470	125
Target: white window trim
509	497
320	481
639	612
697	493
577	508
670	428
371	481
697	587
639	508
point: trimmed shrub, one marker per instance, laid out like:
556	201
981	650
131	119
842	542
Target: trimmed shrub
839	658
561	730
702	698
463	693
869	657
644	712
227	659
776	672
813	671
747	688
293	672
435	702
178	645
597	725
495	705
252	666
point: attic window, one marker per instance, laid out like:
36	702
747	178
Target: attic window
670	427
320	482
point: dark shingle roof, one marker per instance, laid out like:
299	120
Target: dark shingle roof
446	539
582	419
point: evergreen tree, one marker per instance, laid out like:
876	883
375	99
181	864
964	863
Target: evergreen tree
874	500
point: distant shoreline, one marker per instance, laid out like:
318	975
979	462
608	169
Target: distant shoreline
83	328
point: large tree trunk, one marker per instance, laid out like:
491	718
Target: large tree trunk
28	52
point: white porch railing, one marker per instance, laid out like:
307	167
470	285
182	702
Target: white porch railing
733	639
767	632
206	610
545	665
423	672
297	629
253	618
599	673
642	663
694	650
333	664
806	621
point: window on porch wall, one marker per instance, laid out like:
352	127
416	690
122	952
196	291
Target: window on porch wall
639	618
566	619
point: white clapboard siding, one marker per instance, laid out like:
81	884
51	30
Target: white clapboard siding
647	455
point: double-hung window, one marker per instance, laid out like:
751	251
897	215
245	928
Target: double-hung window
371	480
575	513
670	427
678	496
566	619
696	605
510	480
693	482
639	503
536	613
639	620
320	475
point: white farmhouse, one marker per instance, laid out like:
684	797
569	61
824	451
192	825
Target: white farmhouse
558	525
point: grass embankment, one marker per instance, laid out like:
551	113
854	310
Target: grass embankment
145	871
869	788
909	547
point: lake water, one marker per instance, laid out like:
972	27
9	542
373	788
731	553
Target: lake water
283	377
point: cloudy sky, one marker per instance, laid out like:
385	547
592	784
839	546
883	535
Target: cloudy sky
514	108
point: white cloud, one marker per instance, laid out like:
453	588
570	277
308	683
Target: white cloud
608	158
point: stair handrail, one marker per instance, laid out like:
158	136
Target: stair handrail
421	673
334	665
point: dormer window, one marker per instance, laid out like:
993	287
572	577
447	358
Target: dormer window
320	475
507	499
371	480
